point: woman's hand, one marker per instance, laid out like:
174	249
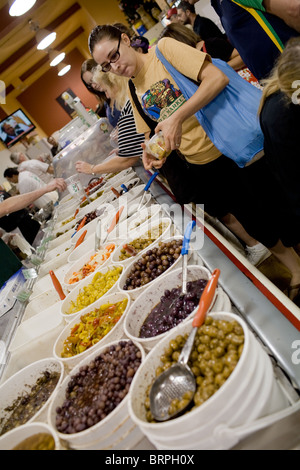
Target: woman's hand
83	167
171	129
149	161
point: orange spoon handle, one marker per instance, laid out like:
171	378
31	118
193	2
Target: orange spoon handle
57	285
206	299
115	220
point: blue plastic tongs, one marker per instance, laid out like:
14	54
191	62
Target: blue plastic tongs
184	252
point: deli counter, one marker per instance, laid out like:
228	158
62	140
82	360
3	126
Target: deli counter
259	404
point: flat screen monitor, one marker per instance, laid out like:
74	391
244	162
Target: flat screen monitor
14	128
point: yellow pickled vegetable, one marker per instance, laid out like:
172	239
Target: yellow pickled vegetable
93	327
100	284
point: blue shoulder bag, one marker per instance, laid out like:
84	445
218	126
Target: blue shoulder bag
230	120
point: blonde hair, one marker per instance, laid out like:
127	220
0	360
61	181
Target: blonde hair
285	73
115	82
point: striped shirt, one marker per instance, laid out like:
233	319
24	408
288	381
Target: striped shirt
129	141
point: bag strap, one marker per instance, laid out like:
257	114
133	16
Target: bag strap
264	23
150	123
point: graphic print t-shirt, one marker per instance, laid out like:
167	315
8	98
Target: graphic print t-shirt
160	97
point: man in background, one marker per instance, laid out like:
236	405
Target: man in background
203	27
43	170
27	182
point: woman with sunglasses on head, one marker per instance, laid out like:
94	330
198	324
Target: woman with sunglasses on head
106	107
212	178
129	149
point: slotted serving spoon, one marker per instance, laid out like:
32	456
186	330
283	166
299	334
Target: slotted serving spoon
179	379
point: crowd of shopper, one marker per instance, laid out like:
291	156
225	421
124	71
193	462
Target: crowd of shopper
260	202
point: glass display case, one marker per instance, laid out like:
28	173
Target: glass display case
92	146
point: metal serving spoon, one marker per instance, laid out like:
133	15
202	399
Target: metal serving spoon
179	379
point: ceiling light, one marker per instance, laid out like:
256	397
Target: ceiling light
63	69
56	57
19	7
44	38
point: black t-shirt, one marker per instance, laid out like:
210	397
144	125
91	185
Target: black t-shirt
280	123
218	48
10	222
206	28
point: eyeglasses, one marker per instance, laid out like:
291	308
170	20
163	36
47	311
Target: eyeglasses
114	57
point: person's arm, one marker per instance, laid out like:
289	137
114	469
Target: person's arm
16	203
114	164
212	82
287	10
235	61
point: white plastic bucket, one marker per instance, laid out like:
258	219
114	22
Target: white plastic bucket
143	217
148	299
113	432
72	296
44	282
252	381
77	265
139	233
116	333
16	436
134	293
22	382
34	329
46	299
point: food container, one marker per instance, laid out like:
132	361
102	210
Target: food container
134	206
151	297
16	437
97	203
134	293
44	283
140	233
22	382
144	215
67	210
34	330
116	333
116	431
60	250
46	299
72	296
55	263
156	146
109	210
124	175
249	393
83	260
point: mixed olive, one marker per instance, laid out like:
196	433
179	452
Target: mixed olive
217	349
153	263
28	404
140	243
98	388
172	309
